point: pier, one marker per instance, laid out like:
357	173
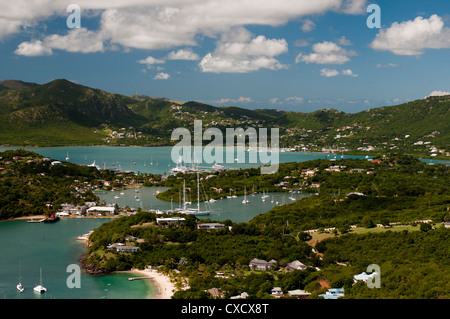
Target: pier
36	220
137	278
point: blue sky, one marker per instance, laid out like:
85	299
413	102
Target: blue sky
286	54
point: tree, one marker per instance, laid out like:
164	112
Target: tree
304	236
425	227
367	222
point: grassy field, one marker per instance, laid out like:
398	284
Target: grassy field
316	237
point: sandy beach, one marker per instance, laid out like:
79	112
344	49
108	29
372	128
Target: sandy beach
165	287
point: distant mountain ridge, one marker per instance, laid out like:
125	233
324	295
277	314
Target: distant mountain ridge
65	113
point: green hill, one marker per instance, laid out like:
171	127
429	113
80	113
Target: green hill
60	112
64	113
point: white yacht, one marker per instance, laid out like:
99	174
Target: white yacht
39	288
191	211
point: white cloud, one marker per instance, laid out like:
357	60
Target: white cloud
354	6
161	76
183	54
413	37
242	54
308	26
274	100
244	99
333	72
33	48
241	99
329	73
8	27
77	40
349	72
438	93
149	61
294	99
326	53
165	24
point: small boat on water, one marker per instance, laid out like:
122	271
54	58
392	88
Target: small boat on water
19	286
51	219
39	288
245	200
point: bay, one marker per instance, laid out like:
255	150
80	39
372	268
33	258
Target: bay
26	248
155	160
52	247
158	160
223	209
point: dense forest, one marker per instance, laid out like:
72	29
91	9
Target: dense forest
414	264
28	183
397	189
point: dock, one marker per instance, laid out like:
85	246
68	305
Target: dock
36	220
137	278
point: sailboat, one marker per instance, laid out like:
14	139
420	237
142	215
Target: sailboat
20	287
191	211
264	196
67	157
245	200
39	288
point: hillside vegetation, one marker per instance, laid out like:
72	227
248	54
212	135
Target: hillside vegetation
64	113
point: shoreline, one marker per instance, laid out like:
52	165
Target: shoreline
165	287
28	217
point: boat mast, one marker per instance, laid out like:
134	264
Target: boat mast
184	194
198	193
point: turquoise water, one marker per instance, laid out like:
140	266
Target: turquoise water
222	209
26	248
155	160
